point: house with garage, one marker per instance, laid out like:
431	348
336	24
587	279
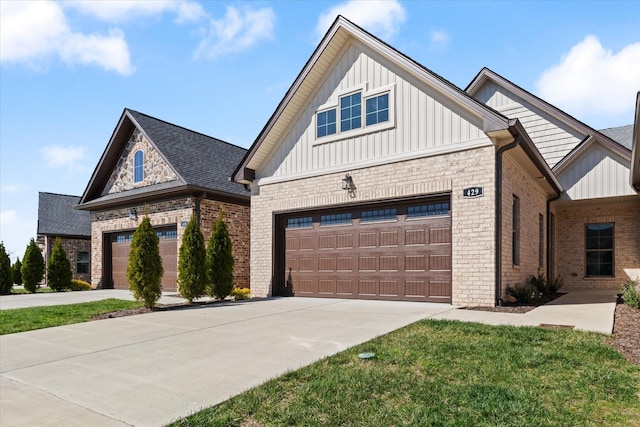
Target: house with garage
377	178
58	219
170	174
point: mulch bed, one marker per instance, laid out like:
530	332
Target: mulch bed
625	338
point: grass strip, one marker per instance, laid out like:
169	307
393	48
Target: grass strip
443	373
30	318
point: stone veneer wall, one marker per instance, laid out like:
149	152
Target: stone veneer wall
156	170
237	218
473	220
165	213
571	219
71	248
533	202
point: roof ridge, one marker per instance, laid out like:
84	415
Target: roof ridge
183	128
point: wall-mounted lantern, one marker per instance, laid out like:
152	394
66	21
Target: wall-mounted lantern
133	214
348	185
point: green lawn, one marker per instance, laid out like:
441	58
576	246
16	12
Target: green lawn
439	373
27	319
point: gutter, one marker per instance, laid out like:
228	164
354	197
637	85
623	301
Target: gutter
498	235
549	242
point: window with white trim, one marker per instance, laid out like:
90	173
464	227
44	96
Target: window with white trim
357	112
138	166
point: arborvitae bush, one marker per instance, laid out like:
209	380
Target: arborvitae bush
145	271
6	280
32	267
59	272
16	273
192	270
220	260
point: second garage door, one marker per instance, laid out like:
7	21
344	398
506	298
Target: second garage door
121	246
394	251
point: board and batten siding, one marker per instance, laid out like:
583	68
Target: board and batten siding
598	172
425	122
553	139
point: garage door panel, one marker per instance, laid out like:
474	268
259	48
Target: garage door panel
386	258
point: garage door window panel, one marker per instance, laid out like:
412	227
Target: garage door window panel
379	215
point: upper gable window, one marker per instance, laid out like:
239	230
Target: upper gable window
138	166
358	111
351	112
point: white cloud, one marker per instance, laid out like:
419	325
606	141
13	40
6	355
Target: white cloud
8	217
12	188
125	11
593	80
59	157
382	18
438	40
239	30
33	32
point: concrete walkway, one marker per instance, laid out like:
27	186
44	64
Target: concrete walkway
150	369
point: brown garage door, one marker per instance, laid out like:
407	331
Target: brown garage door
121	246
399	251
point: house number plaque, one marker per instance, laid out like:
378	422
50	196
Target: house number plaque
472	192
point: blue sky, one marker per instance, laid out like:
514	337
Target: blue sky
68	69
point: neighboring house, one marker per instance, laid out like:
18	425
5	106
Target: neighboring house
58	218
376	178
170	174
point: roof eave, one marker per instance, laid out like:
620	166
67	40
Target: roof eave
634	176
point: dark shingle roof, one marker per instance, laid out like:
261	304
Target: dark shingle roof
56	216
199	159
623	135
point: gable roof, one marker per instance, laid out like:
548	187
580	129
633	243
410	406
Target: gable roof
591	134
312	74
623	135
57	217
202	163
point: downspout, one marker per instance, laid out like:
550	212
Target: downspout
549	242
498	242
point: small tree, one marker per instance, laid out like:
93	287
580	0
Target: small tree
59	273
16	273
6	280
220	260
32	267
145	271
192	270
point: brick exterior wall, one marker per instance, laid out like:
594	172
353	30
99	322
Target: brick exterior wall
237	218
173	212
571	219
473	220
156	170
71	247
533	203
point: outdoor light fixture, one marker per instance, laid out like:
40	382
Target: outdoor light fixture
347	184
133	214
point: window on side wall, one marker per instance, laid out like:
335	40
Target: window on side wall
138	166
82	263
326	123
351	112
599	250
377	109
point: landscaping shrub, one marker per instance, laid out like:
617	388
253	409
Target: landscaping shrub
220	260
538	282
79	285
59	273
6	280
16	273
241	293
631	293
192	268
32	267
553	286
145	271
524	292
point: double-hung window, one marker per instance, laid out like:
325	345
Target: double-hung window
82	262
599	249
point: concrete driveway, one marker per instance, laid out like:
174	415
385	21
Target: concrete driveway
150	369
